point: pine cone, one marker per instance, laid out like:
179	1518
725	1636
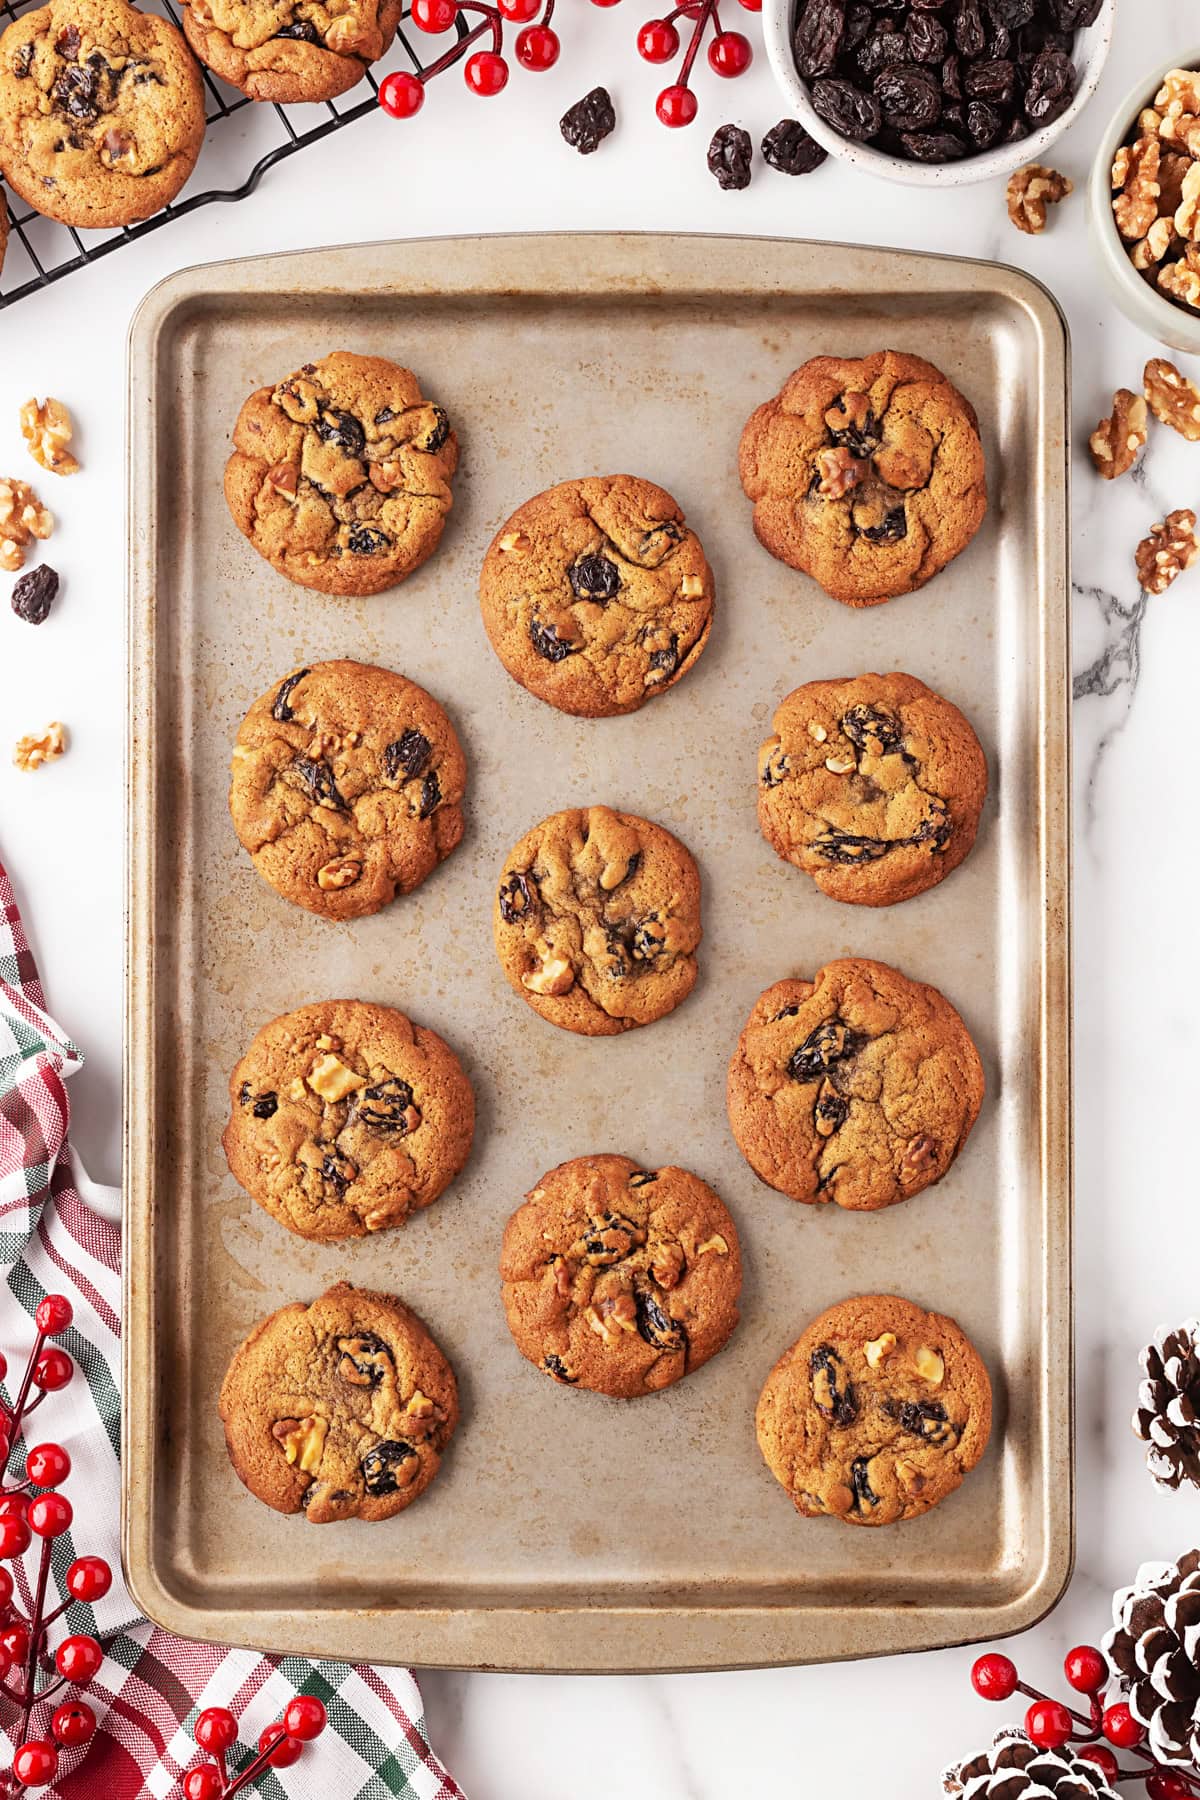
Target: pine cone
1015	1769
1168	1410
1152	1649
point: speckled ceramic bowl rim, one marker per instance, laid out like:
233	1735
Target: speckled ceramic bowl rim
986	165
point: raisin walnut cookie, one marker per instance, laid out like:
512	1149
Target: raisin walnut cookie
340	475
620	1279
347	787
859	1086
289	51
101	112
597	919
873	786
866	474
596	595
345	1118
876	1413
339	1410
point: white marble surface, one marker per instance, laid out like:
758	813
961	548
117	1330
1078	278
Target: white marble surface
790	1731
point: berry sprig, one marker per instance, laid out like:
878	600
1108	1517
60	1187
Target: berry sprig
1050	1724
279	1746
729	54
485	72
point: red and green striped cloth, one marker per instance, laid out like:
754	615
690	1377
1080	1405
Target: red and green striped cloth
61	1234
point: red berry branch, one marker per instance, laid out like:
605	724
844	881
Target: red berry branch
729	53
279	1746
485	71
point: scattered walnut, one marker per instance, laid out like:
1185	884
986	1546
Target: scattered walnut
47	429
22	518
31	752
1135	173
929	1366
816	732
879	1349
553	975
1172	397
715	1243
1170	549
514	543
342	872
1030	191
1118	440
331	1080
691	587
302	1441
1181	280
917	1158
841	471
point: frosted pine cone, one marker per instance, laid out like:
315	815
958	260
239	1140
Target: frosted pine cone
1154	1651
1168	1410
1015	1769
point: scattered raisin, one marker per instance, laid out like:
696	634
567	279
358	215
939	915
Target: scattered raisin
610	1238
846	847
547	643
367	540
643	1178
385	1105
431	795
831	1042
23	62
594	577
993	79
281	707
338	1171
1012	13
407	755
586	124
33	595
515	898
792	150
554	1365
850	111
433	440
894	525
368	1357
341	429
833	1390
318	778
818	36
302	29
729	157
666	659
864	1496
654	1323
266	1106
380	1464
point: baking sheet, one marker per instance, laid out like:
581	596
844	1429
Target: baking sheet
567	1531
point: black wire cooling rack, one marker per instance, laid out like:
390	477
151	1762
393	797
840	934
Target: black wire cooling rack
242	135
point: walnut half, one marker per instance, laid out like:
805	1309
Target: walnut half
1030	191
1170	549
47	429
32	751
1118	440
1172	398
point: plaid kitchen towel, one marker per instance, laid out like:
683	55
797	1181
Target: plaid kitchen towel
61	1234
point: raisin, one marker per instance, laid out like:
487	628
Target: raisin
1070	15
649	939
833	1390
338	1171
787	1012
367	540
385	415
792	150
515	898
859	20
266	1106
928	39
554	1365
341	429
610	1239
848	109
883	48
379	1466
952	77
894	525
866	726
318	778
33	595
984	123
407	755
67	43
368	1357
864	1496
993	80
666	659
775	768
281	705
302	29
935	830
969	33
594	578
654	1322
643	1178
23	62
1012	13
831	1042
818	37
909	97
657	542
586	124
433	440
1051	85
845	847
924	1419
547	643
76	93
832	1111
431	795
729	157
385	1104
861	439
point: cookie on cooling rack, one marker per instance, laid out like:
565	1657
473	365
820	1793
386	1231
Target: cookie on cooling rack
289	51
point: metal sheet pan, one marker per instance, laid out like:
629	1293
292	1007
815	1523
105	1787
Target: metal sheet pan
568	1532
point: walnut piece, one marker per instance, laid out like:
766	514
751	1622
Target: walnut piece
1118	440
1149	251
929	1366
514	543
1170	549
1135	173
1030	191
841	471
302	1441
554	975
331	1080
879	1349
342	872
1187	213
715	1243
1181	280
22	518
47	429
32	751
850	413
1177	103
1172	398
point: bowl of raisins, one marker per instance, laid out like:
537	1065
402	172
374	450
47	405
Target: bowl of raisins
938	92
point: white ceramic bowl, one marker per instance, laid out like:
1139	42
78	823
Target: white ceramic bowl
1137	299
1091	51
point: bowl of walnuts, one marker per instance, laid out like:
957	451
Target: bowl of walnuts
1144	204
937	93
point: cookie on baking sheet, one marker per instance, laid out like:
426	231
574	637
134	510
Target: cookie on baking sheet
618	1278
876	1413
347	787
867	474
101	111
859	1086
289	51
873	786
346	1118
597	595
340	475
597	919
339	1410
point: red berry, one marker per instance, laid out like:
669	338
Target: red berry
74	1723
485	74
13	1506
676	106
14	1640
54	1314
6	1588
89	1578
1121	1728
203	1782
604	2
1103	1758
537	48
1163	1785
6	1662
47	1465
519	12
3	1366
994	1677
14	1536
1085	1669
53	1370
752	5
401	94
730	53
78	1658
434	15
283	1750
305	1717
50	1515
657	41
36	1763
1049	1724
215	1729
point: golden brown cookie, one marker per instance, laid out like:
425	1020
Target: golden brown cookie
339	1410
345	1118
597	919
868	474
101	111
340	475
288	51
597	595
347	787
620	1279
872	786
859	1086
876	1413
